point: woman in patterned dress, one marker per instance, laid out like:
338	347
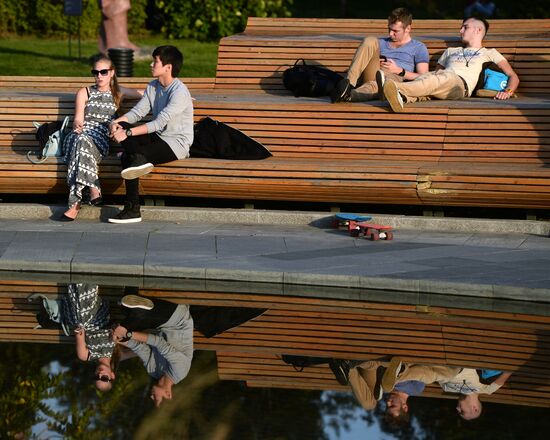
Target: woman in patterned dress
88	143
87	314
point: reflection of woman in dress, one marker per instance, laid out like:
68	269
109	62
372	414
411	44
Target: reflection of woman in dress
85	313
88	143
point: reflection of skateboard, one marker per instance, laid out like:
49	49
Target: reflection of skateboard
344	220
372	231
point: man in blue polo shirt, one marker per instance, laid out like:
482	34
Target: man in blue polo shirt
397	57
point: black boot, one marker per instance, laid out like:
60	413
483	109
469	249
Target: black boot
130	214
342	91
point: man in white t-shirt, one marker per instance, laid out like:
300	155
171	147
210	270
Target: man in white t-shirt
457	71
464	381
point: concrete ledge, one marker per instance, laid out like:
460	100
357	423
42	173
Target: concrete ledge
510	300
269	217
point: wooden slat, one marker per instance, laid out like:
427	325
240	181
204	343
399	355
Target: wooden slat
271	372
324	152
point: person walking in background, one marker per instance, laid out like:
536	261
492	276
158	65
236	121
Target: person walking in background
113	32
167	137
480	8
88	143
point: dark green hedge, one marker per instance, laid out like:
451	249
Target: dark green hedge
211	19
46	18
200	19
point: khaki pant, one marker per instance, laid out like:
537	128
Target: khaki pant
363	378
442	84
363	67
427	373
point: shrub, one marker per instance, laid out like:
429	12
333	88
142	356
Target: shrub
46	18
212	19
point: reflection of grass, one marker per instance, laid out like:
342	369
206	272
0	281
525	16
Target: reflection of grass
50	57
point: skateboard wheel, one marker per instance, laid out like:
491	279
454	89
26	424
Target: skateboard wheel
389	235
382	235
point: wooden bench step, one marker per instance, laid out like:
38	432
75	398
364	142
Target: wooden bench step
270	371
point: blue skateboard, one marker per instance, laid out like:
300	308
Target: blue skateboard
345	220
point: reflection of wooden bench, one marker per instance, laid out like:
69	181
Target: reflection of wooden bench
316	326
269	371
476	152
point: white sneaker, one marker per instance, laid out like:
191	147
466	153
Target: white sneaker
137	171
137	302
391	92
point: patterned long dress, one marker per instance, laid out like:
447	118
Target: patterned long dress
83	151
83	307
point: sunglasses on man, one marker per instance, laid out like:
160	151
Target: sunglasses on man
102	72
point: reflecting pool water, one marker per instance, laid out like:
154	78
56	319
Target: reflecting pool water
108	358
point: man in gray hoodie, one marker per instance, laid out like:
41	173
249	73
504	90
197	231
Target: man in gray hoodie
165	138
166	349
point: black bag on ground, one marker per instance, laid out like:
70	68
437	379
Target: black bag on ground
310	80
216	140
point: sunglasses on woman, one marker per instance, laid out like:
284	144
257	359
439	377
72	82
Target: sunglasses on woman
102	72
103	378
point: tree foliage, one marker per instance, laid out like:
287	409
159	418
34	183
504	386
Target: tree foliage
199	19
46	18
212	19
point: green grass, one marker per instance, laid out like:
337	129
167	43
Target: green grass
50	57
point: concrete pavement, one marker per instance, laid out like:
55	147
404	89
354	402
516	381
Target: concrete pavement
468	258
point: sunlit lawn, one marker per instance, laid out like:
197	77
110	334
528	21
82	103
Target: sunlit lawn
50	57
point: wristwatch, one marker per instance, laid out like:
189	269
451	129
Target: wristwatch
128	336
402	73
128	132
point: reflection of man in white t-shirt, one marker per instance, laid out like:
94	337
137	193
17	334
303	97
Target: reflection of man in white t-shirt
457	72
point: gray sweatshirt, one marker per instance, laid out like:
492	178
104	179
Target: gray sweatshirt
169	348
172	109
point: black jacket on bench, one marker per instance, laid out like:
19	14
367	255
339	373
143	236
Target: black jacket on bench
216	140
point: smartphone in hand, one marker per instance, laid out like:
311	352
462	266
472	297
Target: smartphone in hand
383	58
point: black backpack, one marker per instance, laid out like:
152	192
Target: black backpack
301	362
309	80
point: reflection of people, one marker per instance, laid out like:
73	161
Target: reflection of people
114	25
85	313
167	137
457	71
398	56
467	382
160	333
470	384
364	377
88	143
369	380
